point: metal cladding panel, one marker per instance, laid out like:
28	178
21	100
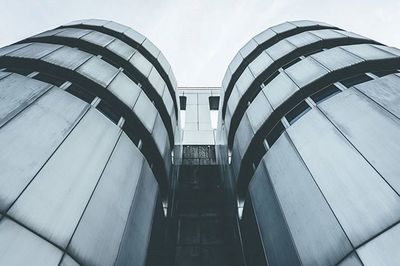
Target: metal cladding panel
236	159
264	36
279	90
98	70
351	34
286	26
11	48
385	91
48	33
372	130
68	261
67	57
236	61
383	249
35	50
361	200
303	39
248	48
336	58
225	81
151	48
141	63
16	93
73	33
169	104
18	246
138	228
244	81
32	137
156	81
272	227
327	34
99	233
125	89
115	26
351	260
160	135
233	99
368	52
306	71
164	62
280	49
121	49
244	135
304	207
146	111
262	62
134	35
54	201
98	38
258	111
389	49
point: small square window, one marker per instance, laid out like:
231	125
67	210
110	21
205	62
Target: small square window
214	102
182	101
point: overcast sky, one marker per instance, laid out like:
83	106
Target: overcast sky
199	38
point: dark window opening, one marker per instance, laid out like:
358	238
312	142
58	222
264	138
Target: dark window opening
81	93
108	111
182	102
297	112
350	82
49	79
20	71
291	63
275	133
111	62
325	93
268	80
214	102
384	72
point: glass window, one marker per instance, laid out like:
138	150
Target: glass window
214	102
182	102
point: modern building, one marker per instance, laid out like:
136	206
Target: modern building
104	161
88	116
310	121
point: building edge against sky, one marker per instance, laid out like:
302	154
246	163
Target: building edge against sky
307	146
309	125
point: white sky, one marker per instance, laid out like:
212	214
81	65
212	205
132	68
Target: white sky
199	38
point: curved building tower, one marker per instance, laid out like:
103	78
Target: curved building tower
88	114
310	127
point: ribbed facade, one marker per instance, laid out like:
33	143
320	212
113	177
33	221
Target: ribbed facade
87	119
310	116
